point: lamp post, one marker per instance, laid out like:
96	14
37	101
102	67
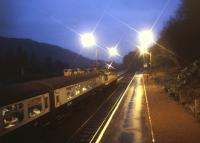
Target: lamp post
97	57
146	40
88	40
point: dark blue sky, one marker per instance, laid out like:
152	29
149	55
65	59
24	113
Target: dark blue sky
50	21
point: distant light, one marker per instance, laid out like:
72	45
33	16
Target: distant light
109	66
143	50
146	38
113	52
88	40
84	89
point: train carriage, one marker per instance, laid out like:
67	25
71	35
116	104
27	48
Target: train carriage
41	100
22	103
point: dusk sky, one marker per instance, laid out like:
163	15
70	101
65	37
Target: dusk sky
57	21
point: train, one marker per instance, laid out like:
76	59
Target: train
29	103
79	71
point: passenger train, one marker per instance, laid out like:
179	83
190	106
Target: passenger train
26	103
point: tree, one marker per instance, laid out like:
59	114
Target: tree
21	60
182	32
59	66
133	61
48	65
34	64
163	58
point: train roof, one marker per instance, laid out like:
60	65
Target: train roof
16	92
58	82
20	91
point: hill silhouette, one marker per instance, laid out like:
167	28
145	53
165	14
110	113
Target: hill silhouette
43	50
25	59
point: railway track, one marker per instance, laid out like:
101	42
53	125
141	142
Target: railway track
89	130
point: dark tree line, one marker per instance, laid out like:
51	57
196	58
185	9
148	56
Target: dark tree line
181	34
179	40
19	65
133	61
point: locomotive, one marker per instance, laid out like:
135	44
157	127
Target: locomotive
31	102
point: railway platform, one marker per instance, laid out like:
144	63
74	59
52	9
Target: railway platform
171	122
148	115
130	121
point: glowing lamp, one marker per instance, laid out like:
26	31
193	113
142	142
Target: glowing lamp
113	52
146	38
88	40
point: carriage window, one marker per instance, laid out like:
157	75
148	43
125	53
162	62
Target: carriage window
46	102
77	89
57	99
34	107
68	94
12	115
68	91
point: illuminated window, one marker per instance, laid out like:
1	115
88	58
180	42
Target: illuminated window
12	115
84	89
34	107
68	92
77	92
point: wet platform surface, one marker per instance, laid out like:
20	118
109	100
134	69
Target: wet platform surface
130	124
